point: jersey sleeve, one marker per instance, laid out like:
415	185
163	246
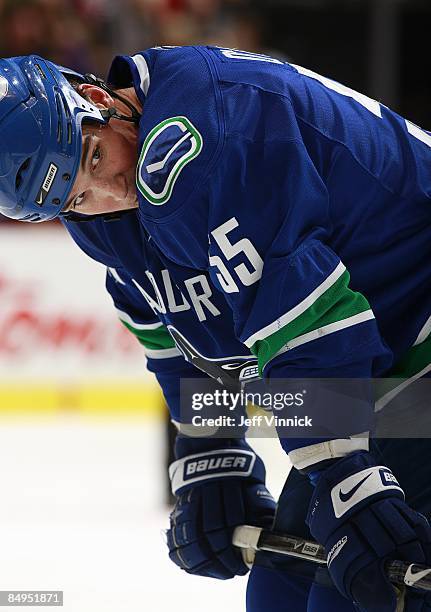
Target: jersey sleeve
273	254
164	359
294	305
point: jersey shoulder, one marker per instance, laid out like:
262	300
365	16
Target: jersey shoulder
189	106
181	129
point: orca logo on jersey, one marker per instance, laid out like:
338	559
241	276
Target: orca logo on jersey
4	87
167	149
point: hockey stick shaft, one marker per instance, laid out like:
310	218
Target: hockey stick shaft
249	538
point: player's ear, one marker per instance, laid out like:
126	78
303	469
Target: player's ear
99	97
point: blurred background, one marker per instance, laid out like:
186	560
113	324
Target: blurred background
83	427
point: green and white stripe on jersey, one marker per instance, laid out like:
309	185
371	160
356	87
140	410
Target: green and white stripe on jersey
331	307
155	337
413	365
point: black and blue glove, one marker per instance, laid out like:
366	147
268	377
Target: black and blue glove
359	514
219	484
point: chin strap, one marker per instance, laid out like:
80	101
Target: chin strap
114	216
108	113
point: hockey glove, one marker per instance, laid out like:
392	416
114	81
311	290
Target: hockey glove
219	485
359	514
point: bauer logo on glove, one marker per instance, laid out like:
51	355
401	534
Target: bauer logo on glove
213	464
216	463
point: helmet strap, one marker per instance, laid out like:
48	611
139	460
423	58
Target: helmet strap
112	111
79	218
108	113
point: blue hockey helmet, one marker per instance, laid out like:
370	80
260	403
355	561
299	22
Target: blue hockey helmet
41	118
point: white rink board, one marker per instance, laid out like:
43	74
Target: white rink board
57	322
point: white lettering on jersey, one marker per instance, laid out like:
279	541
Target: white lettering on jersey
223	275
172	305
247	55
418	133
198	288
242	247
156	306
113	272
156	289
372	105
201	299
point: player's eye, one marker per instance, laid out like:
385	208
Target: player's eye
96	157
78	200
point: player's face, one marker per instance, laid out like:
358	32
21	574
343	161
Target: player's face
105	182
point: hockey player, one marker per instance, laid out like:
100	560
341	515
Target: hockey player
249	212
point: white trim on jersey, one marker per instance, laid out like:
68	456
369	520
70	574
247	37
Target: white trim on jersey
331	328
300	308
163	353
144	73
389	396
424	333
128	319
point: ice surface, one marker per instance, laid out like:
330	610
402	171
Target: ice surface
82	511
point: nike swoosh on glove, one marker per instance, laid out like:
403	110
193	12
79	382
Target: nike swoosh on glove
359	514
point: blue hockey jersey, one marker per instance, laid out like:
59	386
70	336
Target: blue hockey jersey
284	224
